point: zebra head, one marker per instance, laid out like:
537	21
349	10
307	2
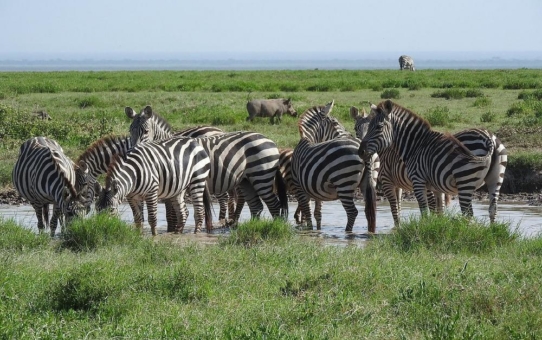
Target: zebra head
84	183
379	132
361	121
108	197
73	204
142	127
316	125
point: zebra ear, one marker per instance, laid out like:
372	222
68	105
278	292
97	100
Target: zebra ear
130	113
66	193
328	107
354	112
364	113
83	166
388	105
147	111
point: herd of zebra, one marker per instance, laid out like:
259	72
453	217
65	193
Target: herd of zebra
393	147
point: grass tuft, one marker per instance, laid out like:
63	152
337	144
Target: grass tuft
98	231
451	233
18	238
257	231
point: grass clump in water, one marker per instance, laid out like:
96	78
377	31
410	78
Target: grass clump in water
257	231
16	237
98	231
451	233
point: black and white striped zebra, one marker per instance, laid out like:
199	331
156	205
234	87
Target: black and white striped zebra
326	166
164	169
393	176
406	63
434	161
285	168
150	126
44	175
245	159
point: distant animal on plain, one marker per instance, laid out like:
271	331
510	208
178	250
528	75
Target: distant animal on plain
406	63
41	114
270	108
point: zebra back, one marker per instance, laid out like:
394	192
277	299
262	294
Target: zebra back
147	125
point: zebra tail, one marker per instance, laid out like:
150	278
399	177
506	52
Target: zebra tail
369	195
282	193
208	207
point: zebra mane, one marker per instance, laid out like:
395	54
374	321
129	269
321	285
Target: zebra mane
460	148
99	144
61	171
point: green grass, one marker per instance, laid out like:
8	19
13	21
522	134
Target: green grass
88	105
441	277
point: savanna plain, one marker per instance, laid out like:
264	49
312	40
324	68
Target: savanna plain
443	277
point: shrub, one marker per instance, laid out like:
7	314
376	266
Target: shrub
257	231
99	230
526	95
15	237
390	94
474	93
487	117
482	102
449	94
439	116
451	233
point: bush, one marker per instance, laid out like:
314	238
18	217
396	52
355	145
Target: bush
526	95
451	233
390	94
257	231
99	230
16	237
482	102
89	102
487	117
474	93
450	94
439	116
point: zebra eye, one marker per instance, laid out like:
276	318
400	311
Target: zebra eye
146	131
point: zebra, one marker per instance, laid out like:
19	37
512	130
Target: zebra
433	160
245	159
326	166
150	126
164	169
44	175
406	63
394	177
285	168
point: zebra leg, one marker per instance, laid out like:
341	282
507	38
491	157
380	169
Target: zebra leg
197	191
347	200
57	215
392	194
493	189
432	201
152	207
239	207
135	206
465	200
171	214
41	215
421	196
298	216
251	197
223	201
182	216
318	214
303	202
232	198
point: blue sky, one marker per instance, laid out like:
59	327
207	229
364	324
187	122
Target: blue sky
222	29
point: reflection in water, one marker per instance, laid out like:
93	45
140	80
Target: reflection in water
528	220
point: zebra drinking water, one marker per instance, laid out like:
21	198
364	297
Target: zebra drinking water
163	169
326	166
433	160
406	63
44	175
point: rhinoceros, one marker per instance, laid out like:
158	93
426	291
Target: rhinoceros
270	108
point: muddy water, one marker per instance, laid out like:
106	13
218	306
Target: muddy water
527	219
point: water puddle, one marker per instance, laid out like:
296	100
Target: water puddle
527	219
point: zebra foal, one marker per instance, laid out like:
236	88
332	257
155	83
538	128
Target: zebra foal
44	175
164	169
433	161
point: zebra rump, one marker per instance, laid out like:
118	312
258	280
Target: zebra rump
44	175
